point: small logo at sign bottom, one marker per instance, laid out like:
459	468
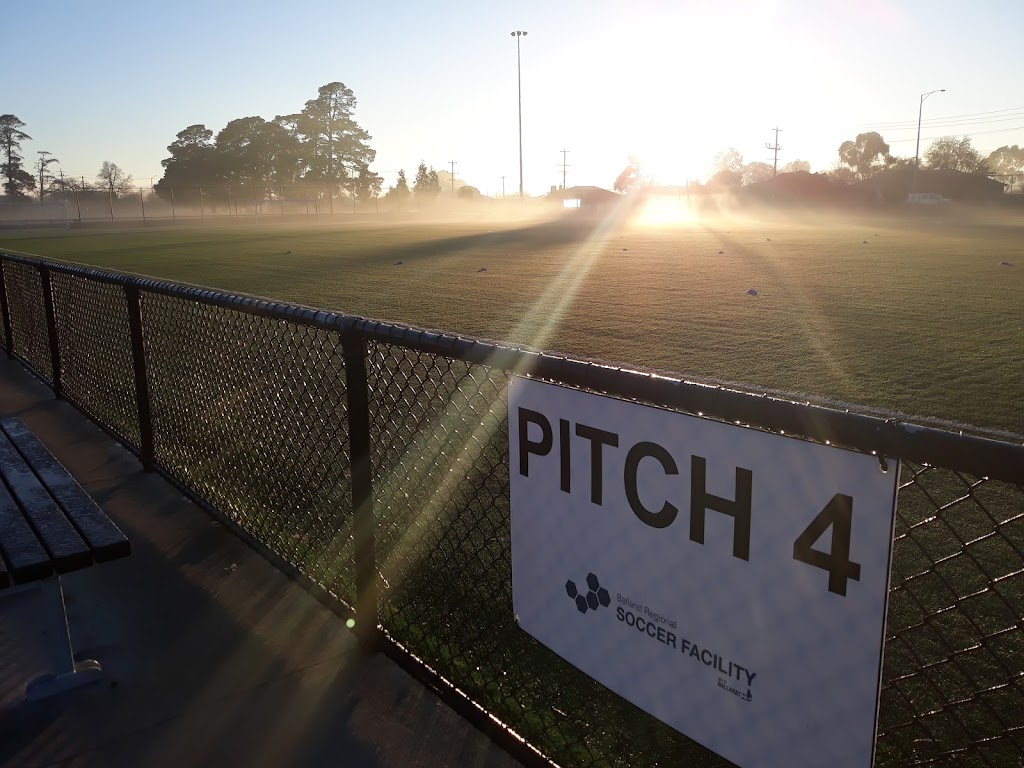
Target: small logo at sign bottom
595	597
724	684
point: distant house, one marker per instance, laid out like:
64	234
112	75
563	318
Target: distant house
585	197
893	185
804	189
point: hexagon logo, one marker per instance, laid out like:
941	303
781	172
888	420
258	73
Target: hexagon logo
595	597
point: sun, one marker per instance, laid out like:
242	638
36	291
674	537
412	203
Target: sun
665	209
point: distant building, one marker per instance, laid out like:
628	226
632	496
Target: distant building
585	197
802	188
895	184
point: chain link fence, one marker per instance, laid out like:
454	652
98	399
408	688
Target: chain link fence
370	461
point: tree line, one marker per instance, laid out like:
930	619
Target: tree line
321	146
18	182
868	154
859	159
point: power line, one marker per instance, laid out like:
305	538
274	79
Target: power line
972	133
953	124
941	118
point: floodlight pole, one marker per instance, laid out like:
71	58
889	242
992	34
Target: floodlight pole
519	74
917	148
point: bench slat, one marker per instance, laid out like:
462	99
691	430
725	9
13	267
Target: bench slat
24	555
66	547
101	534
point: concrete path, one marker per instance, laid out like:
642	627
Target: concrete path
213	657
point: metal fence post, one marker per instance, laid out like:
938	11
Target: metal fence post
51	329
134	298
8	336
363	523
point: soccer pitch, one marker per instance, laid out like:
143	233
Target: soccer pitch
914	313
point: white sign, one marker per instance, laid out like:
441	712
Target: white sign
730	582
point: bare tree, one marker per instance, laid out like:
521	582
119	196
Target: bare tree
42	164
114	180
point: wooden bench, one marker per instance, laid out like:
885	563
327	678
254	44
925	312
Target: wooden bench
48	526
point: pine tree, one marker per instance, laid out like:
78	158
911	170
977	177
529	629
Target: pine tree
16	179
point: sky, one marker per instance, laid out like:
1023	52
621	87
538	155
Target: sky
672	83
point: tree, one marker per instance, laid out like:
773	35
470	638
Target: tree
630	178
842	173
114	180
192	164
1006	161
726	178
865	155
796	166
16	179
729	160
426	186
399	191
334	146
365	185
252	152
42	164
951	153
757	171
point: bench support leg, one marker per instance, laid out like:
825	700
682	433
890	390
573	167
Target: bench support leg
67	673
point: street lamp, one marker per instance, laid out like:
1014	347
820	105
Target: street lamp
519	74
917	148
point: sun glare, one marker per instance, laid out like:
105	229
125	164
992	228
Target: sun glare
664	211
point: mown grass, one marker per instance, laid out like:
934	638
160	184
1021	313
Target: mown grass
921	318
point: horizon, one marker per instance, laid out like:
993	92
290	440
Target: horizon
601	81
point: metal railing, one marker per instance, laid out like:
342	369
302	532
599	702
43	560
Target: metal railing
370	462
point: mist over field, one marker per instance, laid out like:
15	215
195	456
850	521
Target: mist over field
917	313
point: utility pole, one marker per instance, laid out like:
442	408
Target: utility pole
775	148
564	167
917	147
519	79
452	164
502	187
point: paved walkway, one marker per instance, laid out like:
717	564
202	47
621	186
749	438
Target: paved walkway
213	657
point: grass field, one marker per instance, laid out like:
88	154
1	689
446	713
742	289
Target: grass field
910	313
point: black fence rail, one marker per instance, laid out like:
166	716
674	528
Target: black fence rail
370	462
